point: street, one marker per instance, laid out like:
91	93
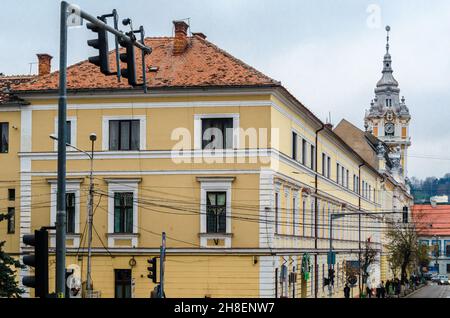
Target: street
432	291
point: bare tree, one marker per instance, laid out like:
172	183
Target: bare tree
406	254
368	257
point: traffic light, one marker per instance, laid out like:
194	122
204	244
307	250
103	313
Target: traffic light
130	71
101	44
152	269
38	260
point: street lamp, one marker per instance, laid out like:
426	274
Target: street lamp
92	138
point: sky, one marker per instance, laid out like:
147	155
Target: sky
328	53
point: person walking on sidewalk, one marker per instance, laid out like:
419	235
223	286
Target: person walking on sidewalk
346	291
382	290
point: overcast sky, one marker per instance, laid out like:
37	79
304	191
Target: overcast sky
328	53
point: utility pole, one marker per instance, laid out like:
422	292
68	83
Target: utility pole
93	138
162	259
61	183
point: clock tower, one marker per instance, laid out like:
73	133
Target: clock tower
388	117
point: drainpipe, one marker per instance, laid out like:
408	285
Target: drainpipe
359	226
316	206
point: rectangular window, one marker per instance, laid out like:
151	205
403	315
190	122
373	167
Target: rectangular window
123	212
342	175
448	268
329	167
324	164
276	212
70	213
346	178
304	151
217	133
370	192
4	137
447	250
313	157
11	194
304	217
122	283
338	172
68	132
294	145
11	220
405	215
312	223
294	216
124	134
216	212
354	183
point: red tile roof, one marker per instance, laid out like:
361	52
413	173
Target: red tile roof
432	221
202	64
7	81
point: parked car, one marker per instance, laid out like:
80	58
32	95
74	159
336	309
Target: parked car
435	278
427	276
443	280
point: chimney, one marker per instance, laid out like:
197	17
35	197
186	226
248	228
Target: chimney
44	63
180	42
200	35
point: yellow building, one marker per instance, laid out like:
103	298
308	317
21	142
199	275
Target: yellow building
238	173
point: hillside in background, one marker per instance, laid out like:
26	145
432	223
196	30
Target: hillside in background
422	190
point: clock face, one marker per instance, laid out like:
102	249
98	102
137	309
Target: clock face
389	129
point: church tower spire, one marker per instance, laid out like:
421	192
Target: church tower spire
388	117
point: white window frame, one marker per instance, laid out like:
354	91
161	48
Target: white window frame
296	213
123	185
304	217
277	215
73	133
142	130
287	213
198	128
219	184
72	186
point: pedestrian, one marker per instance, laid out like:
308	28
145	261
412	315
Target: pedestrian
398	288
388	283
346	291
378	291
369	292
382	290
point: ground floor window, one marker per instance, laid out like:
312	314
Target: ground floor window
448	268
11	220
122	279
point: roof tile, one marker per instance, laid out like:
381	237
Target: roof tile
202	64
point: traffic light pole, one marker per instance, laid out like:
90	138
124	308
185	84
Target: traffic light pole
61	190
62	117
162	260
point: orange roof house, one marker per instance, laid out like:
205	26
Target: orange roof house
195	62
432	221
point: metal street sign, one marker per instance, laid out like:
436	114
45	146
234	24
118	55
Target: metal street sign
74	17
331	258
